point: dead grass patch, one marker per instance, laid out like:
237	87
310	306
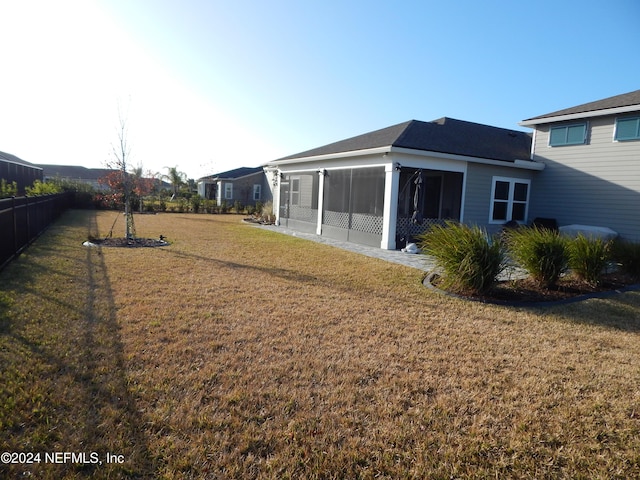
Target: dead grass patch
241	353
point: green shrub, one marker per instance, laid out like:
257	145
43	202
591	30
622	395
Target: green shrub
8	189
196	201
542	252
627	254
470	260
588	257
40	188
209	205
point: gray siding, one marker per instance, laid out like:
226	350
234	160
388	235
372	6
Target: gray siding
597	183
243	189
477	202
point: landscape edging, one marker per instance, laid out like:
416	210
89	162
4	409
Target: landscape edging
427	282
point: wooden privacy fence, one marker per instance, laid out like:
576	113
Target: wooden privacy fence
22	219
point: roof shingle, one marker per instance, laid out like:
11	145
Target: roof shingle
445	135
617	101
12	158
235	173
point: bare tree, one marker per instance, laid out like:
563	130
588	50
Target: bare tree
120	153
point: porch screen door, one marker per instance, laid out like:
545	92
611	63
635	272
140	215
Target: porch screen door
353	205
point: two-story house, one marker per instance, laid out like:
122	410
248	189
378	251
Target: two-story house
591	154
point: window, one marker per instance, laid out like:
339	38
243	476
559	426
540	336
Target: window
228	191
299	197
257	191
509	199
627	129
568	135
295	191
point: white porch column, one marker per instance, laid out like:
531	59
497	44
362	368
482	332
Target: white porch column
275	197
219	194
390	213
321	174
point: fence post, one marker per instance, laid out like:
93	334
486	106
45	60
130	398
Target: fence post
15	224
26	206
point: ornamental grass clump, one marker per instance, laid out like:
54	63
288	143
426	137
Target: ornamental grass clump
470	260
588	258
542	252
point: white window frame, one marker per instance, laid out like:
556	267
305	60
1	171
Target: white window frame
257	192
228	191
510	201
630	139
294	193
566	143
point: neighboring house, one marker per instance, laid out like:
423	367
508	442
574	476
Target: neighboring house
592	158
89	176
72	173
14	169
363	189
245	185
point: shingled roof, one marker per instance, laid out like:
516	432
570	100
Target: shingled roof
13	159
445	135
233	174
618	101
74	172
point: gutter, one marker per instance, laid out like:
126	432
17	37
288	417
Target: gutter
520	164
576	116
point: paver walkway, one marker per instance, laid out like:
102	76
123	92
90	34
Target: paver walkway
421	262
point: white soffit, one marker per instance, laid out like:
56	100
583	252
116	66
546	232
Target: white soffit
577	116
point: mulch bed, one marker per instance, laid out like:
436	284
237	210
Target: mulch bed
129	243
528	291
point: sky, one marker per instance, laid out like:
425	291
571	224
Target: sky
212	85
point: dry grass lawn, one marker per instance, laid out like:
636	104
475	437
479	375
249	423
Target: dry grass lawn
242	353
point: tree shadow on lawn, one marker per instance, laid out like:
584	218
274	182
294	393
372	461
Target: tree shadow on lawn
68	372
618	311
283	273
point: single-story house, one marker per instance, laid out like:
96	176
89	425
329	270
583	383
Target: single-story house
88	176
74	173
592	158
383	187
246	185
14	169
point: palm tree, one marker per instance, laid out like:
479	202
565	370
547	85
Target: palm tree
176	178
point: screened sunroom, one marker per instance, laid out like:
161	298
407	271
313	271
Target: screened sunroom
385	187
426	197
352	202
